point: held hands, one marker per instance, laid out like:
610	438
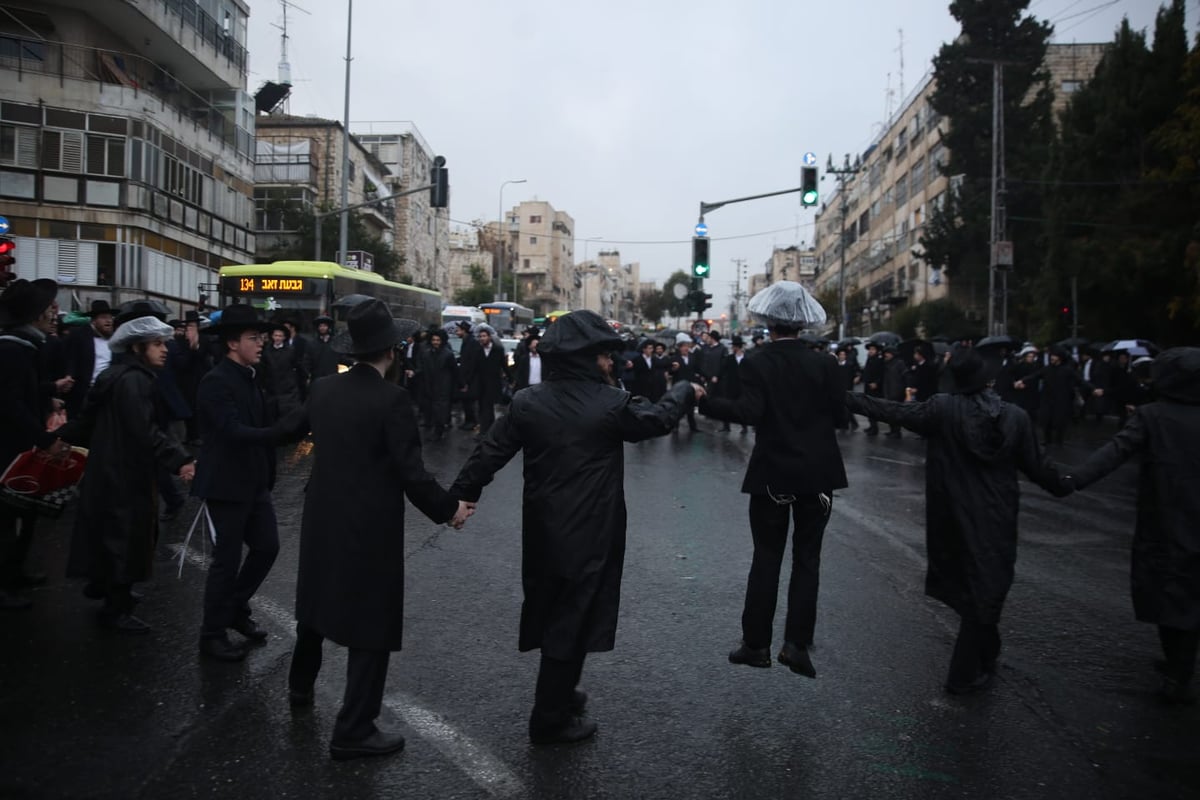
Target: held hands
465	510
64	385
187	472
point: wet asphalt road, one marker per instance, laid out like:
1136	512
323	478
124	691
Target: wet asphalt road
1072	715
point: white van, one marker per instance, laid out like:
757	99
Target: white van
472	314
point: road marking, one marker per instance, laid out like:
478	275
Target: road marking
482	767
895	461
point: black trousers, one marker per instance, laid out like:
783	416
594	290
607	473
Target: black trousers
975	651
231	581
16	537
1179	648
556	682
366	674
769	527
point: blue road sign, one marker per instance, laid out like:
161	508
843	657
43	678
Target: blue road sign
810	159
701	229
3	226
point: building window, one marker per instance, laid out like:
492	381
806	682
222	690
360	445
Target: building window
105	156
525	264
1070	87
533	240
536	219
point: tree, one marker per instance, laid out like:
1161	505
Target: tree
300	244
675	306
480	290
957	237
934	317
1121	201
653	307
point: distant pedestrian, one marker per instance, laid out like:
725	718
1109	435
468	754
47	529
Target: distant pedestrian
282	373
529	362
895	373
683	368
322	361
87	353
1060	385
977	443
1165	579
649	373
872	378
116	528
794	397
350	587
851	377
492	375
571	428
438	375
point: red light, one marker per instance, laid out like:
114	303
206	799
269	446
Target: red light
1066	310
7	246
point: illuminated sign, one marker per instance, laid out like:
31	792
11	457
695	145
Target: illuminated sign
246	285
492	310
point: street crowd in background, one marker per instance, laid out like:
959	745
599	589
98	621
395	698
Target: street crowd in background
202	404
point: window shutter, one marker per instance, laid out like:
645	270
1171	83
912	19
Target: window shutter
72	151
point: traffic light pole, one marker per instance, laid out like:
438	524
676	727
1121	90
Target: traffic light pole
319	216
707	207
843	175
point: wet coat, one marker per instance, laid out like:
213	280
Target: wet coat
117	524
438	378
23	402
895	376
1165	437
1059	385
572	427
282	377
649	380
367	459
322	361
976	445
873	372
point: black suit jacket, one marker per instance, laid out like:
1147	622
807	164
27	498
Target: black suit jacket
80	352
795	398
237	460
649	380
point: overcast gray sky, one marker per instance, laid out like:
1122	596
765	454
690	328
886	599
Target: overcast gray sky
627	113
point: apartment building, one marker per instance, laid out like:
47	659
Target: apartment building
898	185
422	233
465	250
298	166
541	246
608	287
127	146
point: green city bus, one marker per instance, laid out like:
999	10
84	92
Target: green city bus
304	290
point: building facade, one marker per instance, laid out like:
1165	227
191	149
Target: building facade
466	249
422	233
608	287
897	186
298	167
541	248
121	176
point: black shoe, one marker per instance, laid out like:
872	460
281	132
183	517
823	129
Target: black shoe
579	703
247	627
751	656
981	683
377	744
221	649
14	601
301	698
796	659
121	622
574	729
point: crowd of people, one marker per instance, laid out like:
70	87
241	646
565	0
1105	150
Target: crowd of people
169	403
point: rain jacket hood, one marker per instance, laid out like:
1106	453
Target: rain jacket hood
984	432
579	332
573	367
1177	375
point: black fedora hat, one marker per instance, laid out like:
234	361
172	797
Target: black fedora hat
99	307
191	316
970	371
237	318
135	309
24	300
370	328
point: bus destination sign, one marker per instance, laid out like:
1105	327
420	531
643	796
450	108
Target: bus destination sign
246	285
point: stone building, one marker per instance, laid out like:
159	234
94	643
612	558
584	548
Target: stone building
466	248
540	245
608	287
127	146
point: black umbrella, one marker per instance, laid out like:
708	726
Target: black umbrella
849	342
810	338
143	307
943	338
906	348
884	339
1074	341
996	342
351	300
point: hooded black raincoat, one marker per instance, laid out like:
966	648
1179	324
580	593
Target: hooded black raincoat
1165	574
117	524
976	445
571	427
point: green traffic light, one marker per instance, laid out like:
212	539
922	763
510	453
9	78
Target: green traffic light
809	198
700	270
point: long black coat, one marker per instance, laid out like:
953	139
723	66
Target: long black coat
571	427
321	360
649	380
895	373
729	378
1165	436
1059	385
439	378
367	458
795	398
237	460
976	445
873	372
492	375
23	404
80	353
117	524
282	378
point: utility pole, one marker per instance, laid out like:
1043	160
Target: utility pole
736	305
844	174
344	230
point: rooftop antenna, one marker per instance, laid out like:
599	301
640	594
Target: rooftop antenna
285	68
901	49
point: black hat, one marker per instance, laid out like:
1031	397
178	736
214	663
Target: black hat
370	329
175	323
715	335
191	316
237	318
24	301
464	324
135	309
970	371
737	341
328	320
580	332
99	307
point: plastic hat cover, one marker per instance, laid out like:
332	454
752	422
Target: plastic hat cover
140	329
787	303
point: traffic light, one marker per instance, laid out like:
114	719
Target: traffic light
439	192
7	259
698	300
1065	311
700	266
808	186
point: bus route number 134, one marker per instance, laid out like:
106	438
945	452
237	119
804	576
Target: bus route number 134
272	284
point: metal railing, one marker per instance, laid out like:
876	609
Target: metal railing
127	70
211	31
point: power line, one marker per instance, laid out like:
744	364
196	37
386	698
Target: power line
607	241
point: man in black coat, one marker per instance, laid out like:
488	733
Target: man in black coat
572	427
282	373
976	445
683	368
492	375
28	313
322	361
872	378
530	367
923	374
87	354
895	377
851	375
235	473
469	357
794	397
649	373
366	447
438	376
1060	382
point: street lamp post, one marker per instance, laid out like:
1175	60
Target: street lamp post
501	233
843	175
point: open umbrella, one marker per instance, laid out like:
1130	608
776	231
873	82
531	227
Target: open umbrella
850	342
810	339
884	338
997	342
1135	347
906	348
1074	342
351	300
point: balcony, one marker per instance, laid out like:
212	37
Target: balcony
203	52
126	80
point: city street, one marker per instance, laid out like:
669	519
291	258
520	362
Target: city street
87	713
